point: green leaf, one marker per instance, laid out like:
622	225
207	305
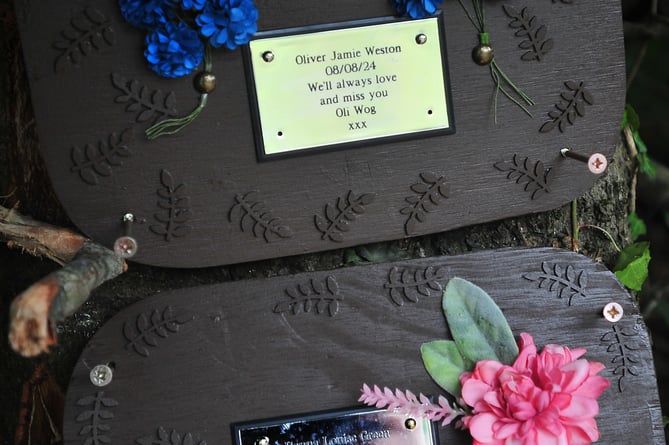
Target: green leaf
477	324
645	164
445	364
637	226
632	266
631	118
640	144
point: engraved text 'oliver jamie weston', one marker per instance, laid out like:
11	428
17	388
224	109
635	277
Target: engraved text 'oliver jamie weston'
363	66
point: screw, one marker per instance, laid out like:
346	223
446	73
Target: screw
421	39
483	54
410	423
268	56
597	162
264	440
126	245
613	312
101	375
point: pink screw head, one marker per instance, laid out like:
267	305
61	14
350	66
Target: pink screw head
613	312
597	163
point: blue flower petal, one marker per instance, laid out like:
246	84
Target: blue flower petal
416	9
174	50
234	22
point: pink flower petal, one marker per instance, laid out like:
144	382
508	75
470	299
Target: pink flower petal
481	427
487	370
474	391
548	398
585	432
544	437
506	430
593	387
575	373
579	408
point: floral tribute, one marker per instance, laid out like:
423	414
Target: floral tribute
177	30
416	9
179	34
504	395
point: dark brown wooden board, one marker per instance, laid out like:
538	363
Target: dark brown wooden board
211	166
250	350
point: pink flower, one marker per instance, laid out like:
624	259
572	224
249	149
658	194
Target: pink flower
548	398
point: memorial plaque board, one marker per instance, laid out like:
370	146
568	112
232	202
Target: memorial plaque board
204	195
194	362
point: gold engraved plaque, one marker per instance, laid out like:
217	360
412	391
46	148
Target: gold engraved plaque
334	85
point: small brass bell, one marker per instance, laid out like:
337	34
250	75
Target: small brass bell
205	82
483	54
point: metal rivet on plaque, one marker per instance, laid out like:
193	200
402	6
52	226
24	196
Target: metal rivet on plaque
126	246
268	56
101	375
205	82
597	162
264	440
613	312
410	423
483	54
421	39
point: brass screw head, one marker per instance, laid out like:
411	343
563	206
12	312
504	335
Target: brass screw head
205	82
483	54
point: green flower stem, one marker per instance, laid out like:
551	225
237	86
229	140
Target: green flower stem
502	82
500	79
172	126
207	58
175	125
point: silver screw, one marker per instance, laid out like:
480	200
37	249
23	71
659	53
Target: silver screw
268	56
126	246
101	375
421	39
264	440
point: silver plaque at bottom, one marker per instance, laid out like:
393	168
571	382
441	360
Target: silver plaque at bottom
360	426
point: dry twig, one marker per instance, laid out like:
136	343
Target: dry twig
34	313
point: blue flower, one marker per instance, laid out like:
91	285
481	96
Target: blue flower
196	5
173	50
228	22
416	9
147	14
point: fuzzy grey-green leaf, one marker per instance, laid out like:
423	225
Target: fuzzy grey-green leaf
477	324
444	363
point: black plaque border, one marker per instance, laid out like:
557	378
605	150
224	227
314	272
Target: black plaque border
237	427
253	98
